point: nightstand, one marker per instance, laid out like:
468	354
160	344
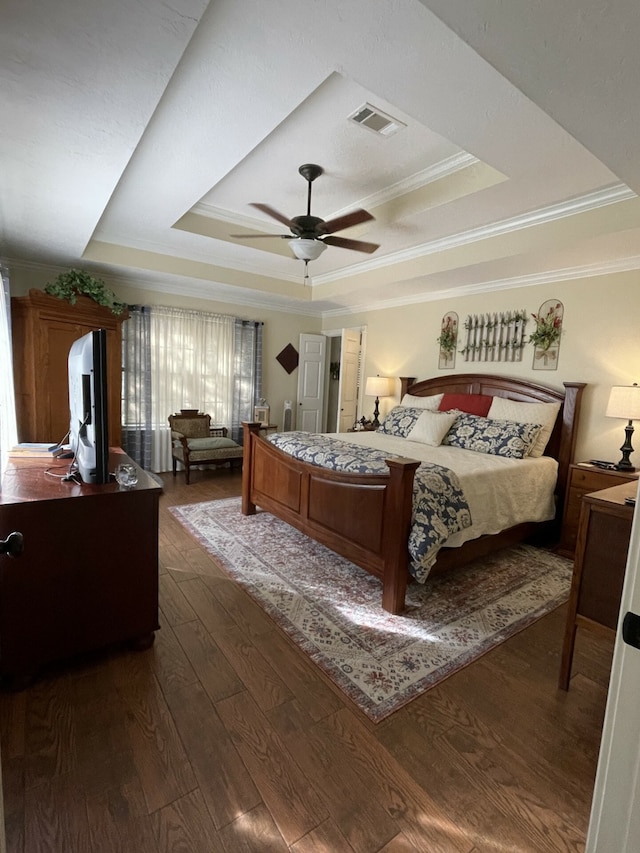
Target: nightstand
583	479
598	571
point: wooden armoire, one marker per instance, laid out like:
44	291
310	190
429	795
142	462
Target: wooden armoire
43	329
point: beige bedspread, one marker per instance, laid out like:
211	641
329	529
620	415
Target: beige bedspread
500	492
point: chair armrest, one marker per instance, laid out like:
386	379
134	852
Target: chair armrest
182	438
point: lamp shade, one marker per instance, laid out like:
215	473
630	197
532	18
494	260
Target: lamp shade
379	386
307	250
624	402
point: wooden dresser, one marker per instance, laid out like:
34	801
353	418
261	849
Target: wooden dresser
88	577
583	479
600	563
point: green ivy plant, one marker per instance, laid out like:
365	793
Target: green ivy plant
69	285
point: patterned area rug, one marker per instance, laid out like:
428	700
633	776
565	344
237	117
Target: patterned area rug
331	608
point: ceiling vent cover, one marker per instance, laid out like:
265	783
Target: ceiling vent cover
375	120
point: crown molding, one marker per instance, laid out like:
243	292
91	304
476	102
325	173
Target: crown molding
443	169
529	280
177	286
551	213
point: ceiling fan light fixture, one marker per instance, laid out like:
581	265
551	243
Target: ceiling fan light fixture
305	249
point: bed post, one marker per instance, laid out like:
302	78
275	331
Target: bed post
569	433
398	513
405	381
248	429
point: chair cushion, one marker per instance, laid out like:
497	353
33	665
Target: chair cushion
211	443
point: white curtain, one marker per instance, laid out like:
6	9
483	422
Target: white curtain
192	361
8	428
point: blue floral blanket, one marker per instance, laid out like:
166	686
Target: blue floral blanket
439	505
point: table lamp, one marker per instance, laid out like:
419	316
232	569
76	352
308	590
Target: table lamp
624	402
378	386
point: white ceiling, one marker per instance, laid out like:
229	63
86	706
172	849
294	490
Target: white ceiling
133	137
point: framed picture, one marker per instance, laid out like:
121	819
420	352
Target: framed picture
261	414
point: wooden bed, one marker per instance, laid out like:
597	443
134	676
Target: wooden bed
367	517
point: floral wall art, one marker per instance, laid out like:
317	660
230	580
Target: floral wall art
547	334
448	340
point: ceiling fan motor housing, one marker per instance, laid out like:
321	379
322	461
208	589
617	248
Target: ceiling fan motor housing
306	226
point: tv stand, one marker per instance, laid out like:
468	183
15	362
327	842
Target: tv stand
88	576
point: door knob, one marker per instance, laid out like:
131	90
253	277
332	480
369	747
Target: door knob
13	545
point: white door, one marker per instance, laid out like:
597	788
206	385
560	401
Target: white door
311	381
615	811
348	385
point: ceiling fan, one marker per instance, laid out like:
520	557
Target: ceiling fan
311	235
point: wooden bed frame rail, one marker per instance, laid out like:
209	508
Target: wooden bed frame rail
364	517
367	517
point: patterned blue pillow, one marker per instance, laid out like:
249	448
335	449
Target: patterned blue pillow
484	435
400	421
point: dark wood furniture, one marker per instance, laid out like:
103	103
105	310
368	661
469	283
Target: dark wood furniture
367	518
88	577
583	479
43	329
599	568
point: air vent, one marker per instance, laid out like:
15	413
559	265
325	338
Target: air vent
377	121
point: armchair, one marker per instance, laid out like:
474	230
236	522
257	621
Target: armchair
195	442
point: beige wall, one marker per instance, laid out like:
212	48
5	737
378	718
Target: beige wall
600	346
279	328
600	343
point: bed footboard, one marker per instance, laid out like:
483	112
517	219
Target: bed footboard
364	517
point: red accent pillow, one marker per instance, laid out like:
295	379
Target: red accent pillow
472	404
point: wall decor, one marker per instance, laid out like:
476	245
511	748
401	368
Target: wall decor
547	335
288	358
495	337
448	340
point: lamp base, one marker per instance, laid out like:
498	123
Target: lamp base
375	422
624	464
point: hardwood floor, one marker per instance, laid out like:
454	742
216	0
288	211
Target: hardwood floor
225	737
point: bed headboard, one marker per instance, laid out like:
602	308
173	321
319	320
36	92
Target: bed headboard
561	445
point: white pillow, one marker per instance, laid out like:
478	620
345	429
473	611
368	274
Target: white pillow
431	427
430	403
527	413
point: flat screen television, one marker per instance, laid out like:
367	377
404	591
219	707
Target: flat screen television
89	430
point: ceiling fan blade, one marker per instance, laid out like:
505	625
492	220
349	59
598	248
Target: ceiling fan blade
274	214
356	245
253	236
346	221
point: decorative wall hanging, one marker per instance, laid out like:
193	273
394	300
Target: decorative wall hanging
547	334
288	358
495	337
448	340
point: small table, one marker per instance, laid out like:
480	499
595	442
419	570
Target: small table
585	478
600	563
